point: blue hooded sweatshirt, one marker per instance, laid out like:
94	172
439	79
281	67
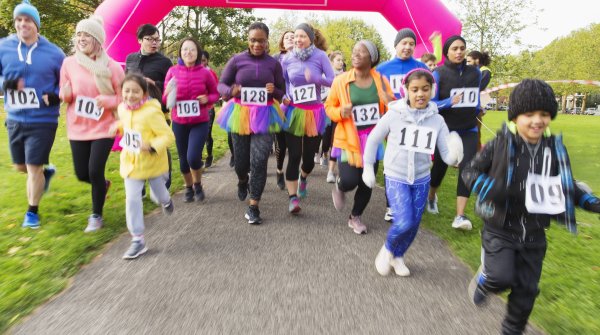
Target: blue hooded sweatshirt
398	67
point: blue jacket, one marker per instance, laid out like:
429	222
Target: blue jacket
42	73
401	67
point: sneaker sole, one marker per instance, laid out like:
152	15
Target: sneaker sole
357	231
471	290
257	222
92	230
141	252
467	226
295	210
338	207
31	227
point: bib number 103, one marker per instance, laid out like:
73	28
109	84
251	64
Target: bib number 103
418	139
88	108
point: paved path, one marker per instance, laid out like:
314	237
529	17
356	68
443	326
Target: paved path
209	272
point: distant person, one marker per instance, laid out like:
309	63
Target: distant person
337	62
429	60
523	156
481	60
30	75
211	112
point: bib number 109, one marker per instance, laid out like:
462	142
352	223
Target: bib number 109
418	139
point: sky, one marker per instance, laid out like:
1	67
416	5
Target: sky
557	19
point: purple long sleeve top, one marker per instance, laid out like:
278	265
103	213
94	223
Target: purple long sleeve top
247	70
318	64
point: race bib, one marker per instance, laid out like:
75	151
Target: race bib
254	96
418	139
470	96
26	98
188	108
544	194
365	115
304	93
396	83
88	108
131	141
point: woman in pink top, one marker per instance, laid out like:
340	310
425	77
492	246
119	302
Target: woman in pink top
89	82
196	91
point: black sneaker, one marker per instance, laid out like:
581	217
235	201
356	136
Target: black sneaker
198	192
168	208
189	194
280	181
231	162
209	161
477	293
253	215
242	190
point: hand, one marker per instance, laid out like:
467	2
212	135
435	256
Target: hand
455	148
67	91
114	129
51	99
146	147
100	101
170	86
270	88
150	81
457	98
346	111
286	101
307	74
235	90
13	84
368	175
202	99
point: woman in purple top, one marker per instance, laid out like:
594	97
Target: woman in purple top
305	69
196	91
254	82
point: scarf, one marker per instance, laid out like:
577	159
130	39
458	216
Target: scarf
99	69
303	54
136	106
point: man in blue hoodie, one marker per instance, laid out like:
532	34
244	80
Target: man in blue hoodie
395	69
29	76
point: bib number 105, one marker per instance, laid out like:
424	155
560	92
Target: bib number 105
418	139
131	141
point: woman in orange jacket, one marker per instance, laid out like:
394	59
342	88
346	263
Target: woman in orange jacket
356	101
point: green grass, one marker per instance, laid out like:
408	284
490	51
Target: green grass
37	264
570	286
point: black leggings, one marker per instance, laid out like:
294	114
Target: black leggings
209	138
327	138
252	156
89	161
350	177
300	148
230	144
438	171
280	148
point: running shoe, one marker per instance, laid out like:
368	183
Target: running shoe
168	208
94	223
189	194
280	181
399	267
317	157
302	191
242	190
462	222
253	215
357	226
432	206
32	220
389	215
209	162
136	249
330	177
198	192
477	293
383	261
339	198
49	172
294	206
323	160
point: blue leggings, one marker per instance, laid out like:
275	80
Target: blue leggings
408	203
190	139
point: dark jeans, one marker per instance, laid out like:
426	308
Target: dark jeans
438	171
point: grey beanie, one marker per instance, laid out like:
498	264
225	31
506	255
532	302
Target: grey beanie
404	33
372	50
532	95
308	30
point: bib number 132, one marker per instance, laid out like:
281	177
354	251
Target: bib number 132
419	139
365	115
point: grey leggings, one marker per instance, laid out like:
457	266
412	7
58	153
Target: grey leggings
251	154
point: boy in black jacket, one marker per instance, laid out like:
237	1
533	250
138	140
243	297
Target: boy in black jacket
523	179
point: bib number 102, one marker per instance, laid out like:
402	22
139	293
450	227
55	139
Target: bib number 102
418	139
26	98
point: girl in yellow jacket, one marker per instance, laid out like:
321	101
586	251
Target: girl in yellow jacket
144	157
356	101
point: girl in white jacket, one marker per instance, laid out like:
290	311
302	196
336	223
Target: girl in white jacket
413	128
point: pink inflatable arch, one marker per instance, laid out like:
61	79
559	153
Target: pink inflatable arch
425	17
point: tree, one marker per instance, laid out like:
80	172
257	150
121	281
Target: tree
221	31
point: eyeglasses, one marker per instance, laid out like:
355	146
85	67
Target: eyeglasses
261	41
152	40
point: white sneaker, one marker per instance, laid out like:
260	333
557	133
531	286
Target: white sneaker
462	222
389	215
383	261
323	160
94	223
399	267
317	158
330	177
432	206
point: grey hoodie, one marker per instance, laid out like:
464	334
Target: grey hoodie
398	162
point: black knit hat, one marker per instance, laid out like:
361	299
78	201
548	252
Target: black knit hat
532	95
449	42
404	33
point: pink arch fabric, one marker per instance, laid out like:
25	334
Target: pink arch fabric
425	17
